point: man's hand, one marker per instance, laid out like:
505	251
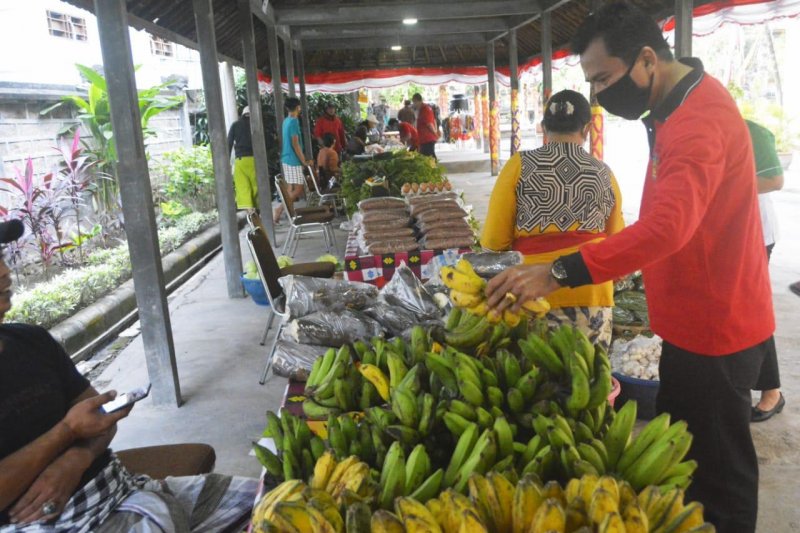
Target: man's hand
86	420
525	282
55	485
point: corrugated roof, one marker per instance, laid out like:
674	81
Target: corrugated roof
173	19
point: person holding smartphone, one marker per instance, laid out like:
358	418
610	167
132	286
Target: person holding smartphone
57	472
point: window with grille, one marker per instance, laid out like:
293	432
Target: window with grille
66	26
161	47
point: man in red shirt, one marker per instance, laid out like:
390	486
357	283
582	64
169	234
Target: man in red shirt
698	243
426	126
330	123
408	134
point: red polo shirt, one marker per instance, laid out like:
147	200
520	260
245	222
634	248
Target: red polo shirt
409	132
425	118
333	125
698	238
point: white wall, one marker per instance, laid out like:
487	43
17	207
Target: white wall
32	55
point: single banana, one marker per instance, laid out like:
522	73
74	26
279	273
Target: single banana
429	488
418	467
358	518
404	405
383	521
323	469
504	492
463	449
459	281
482	493
415	516
619	433
376	376
527	499
549	517
465	300
654	430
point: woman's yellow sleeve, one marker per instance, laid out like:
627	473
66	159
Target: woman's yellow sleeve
498	231
615	222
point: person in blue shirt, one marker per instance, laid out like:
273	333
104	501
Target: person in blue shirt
292	157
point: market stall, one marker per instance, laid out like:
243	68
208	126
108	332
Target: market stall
448	417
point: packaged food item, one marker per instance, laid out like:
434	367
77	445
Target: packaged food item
448	243
328	328
489	264
406	290
394	319
305	295
386	215
293	360
388	233
382	202
392	246
441	214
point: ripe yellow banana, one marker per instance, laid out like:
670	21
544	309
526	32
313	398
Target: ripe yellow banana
323	469
385	522
602	505
482	493
464	299
471	523
549	517
376	376
459	281
538	307
339	472
292	516
504	491
319	523
612	523
480	309
527	499
635	519
415	516
511	319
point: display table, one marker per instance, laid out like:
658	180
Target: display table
378	269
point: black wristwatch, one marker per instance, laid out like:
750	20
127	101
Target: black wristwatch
559	272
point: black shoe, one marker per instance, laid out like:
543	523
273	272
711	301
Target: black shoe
757	415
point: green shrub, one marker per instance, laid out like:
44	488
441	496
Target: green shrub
189	177
48	303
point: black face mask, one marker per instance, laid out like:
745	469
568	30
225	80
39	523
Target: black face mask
624	98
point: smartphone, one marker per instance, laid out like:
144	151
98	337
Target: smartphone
124	400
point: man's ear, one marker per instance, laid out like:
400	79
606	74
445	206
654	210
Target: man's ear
650	58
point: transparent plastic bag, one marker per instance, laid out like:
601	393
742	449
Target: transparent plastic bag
406	290
293	360
394	319
305	295
327	328
490	264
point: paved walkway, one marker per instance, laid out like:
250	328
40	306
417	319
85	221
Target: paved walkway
219	359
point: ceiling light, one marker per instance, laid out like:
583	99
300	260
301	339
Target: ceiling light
397	47
409	21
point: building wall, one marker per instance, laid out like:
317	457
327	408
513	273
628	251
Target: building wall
32	55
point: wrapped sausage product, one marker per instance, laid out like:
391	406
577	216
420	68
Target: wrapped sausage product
489	264
293	360
382	202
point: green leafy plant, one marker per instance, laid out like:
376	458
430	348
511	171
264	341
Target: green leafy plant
398	168
188	178
174	209
95	115
332	259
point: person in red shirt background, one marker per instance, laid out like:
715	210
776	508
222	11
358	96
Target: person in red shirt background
408	134
330	123
426	126
698	242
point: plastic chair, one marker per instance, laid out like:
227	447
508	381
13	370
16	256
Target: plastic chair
330	198
270	273
301	218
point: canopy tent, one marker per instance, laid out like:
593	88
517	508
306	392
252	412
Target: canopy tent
706	19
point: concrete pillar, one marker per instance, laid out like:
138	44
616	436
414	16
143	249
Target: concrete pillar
228	93
513	65
256	118
137	201
547	62
683	28
220	155
288	54
275	70
301	73
494	117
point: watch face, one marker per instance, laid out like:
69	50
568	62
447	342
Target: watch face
558	271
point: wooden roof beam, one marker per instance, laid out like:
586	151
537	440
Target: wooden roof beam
389	41
327	14
423	27
547	7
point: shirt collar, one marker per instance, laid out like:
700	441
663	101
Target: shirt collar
680	92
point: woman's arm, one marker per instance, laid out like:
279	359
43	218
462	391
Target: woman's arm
498	231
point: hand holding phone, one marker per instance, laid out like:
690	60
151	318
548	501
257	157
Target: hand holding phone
124	400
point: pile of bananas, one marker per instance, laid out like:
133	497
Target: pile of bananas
298	448
655	456
467	292
338	384
340	495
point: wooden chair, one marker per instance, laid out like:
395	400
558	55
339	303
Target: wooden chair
270	273
158	462
302	218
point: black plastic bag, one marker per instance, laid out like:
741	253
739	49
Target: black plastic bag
328	328
406	290
293	360
305	295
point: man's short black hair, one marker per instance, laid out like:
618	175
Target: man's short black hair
417	97
328	139
361	133
291	103
406	102
625	30
392	123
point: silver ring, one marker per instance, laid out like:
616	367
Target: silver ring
49	507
